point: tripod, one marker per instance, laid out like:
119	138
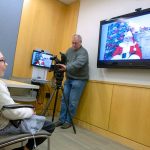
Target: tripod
56	91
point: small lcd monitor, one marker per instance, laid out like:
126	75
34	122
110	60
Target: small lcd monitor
41	59
124	41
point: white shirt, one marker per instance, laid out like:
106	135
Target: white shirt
14	114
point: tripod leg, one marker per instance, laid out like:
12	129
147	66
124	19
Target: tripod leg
55	105
68	111
48	103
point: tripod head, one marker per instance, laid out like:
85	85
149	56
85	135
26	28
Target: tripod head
59	75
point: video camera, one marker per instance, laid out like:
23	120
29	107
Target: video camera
57	61
58	73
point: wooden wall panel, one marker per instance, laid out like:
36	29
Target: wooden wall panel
94	107
40	23
130	113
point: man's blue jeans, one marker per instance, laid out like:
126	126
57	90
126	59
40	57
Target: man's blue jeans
72	92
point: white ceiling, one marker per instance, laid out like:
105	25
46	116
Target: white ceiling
67	1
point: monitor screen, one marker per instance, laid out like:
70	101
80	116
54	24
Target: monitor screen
124	41
41	59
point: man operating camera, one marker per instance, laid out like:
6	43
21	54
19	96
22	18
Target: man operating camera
77	74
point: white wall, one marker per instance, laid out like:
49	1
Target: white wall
90	14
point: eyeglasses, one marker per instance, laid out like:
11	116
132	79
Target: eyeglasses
3	60
74	42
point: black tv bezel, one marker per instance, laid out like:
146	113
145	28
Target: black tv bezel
43	53
137	64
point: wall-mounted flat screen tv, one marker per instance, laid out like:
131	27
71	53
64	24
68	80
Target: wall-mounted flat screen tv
124	41
41	59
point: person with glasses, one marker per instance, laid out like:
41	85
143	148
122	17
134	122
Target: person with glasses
30	122
77	74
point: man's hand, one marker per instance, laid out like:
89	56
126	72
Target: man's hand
62	67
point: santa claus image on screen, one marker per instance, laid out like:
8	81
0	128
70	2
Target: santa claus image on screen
128	49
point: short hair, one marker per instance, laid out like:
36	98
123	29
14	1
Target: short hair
78	36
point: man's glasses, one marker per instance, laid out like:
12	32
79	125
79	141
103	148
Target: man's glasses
3	60
74	42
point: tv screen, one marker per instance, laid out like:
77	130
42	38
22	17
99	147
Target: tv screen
124	41
41	59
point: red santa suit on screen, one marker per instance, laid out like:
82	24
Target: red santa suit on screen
129	49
